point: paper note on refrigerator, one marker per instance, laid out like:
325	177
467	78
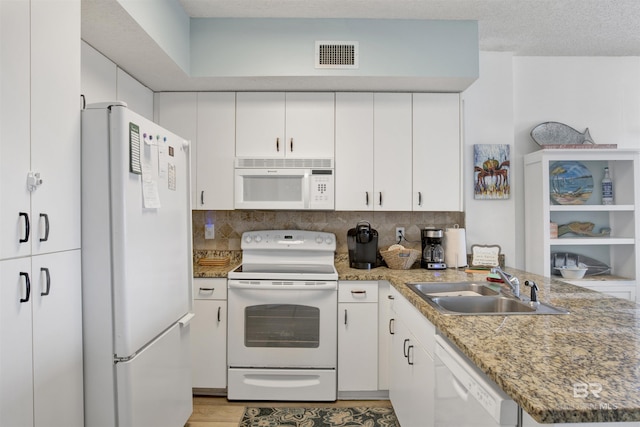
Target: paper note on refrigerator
150	193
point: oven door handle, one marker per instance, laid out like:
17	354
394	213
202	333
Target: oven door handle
281	286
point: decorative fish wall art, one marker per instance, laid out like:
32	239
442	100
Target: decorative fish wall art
554	133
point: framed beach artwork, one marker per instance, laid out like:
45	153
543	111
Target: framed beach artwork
491	171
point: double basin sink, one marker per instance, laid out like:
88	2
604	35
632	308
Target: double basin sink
469	298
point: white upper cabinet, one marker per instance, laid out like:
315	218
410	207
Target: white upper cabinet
437	155
392	151
216	138
278	124
15	130
354	151
373	151
207	119
40	128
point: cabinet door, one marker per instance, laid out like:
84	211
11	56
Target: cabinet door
15	152
357	346
385	329
177	112
309	124
354	151
437	159
57	339
400	380
421	386
411	388
216	150
16	387
260	122
392	151
209	344
55	124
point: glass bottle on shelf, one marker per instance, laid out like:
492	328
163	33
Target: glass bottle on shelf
607	188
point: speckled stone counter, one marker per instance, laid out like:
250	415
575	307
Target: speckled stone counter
199	270
581	367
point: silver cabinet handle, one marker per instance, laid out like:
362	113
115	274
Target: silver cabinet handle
419	198
291	144
278	145
202	197
360	292
366	198
392	322
380	198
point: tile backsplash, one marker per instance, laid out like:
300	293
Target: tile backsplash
229	225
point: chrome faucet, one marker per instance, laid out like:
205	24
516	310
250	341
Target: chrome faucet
510	280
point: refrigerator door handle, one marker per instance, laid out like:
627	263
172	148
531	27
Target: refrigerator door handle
186	319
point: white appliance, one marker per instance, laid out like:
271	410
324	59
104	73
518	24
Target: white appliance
282	183
283	309
136	270
465	396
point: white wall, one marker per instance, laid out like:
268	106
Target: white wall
488	119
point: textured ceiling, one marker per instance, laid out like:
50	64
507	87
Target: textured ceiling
523	27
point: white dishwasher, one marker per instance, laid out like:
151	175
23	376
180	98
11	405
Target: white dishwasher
464	396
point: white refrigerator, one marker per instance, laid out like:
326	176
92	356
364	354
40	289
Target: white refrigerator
136	270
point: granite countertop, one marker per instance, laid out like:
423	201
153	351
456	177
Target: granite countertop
225	262
581	367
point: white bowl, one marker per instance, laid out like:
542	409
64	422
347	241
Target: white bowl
572	272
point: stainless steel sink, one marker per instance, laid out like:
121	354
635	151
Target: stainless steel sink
452	289
486	301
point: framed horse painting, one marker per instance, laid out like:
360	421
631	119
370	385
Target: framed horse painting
491	171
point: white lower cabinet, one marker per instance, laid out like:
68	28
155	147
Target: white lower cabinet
357	336
41	341
412	376
384	338
209	334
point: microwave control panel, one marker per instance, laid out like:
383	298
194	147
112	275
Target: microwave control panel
321	190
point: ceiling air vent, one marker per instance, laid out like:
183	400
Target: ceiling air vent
336	54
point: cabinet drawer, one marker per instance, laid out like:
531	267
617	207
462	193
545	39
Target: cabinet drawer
358	291
210	288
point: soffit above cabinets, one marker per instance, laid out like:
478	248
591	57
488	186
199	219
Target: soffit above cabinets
279	54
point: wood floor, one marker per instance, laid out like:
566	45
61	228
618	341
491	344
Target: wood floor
219	412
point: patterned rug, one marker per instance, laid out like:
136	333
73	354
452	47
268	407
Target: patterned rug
319	417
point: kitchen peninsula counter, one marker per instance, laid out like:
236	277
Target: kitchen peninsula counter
581	367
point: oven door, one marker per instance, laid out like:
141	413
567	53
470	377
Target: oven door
282	324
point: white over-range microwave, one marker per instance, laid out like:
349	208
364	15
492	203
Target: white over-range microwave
284	183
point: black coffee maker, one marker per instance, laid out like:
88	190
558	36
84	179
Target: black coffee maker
432	251
362	242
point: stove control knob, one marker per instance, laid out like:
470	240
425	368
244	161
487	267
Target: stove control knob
257	239
319	239
248	238
328	240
